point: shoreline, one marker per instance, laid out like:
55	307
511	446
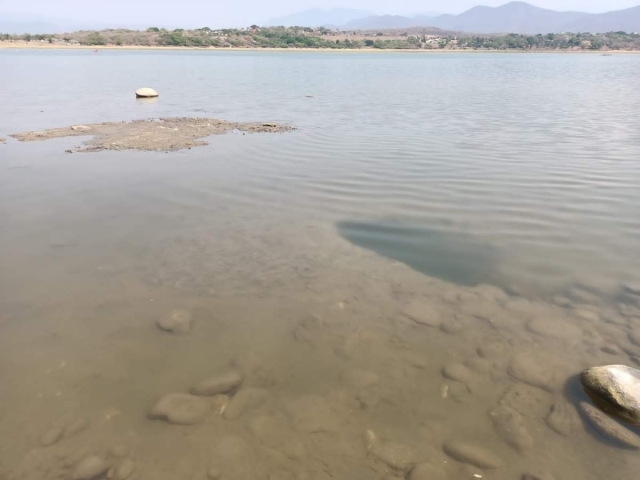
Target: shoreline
12	45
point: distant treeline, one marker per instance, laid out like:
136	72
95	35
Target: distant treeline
300	37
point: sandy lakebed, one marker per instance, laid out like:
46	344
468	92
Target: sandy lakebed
162	134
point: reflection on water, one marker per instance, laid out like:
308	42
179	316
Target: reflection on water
438	254
362	351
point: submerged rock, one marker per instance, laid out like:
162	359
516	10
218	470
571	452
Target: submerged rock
146	93
473	454
89	468
510	426
609	427
176	321
562	418
395	455
124	470
423	313
527	369
51	437
181	409
426	471
76	427
243	401
555	328
457	372
222	383
616	388
312	414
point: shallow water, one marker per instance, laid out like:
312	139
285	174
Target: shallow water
497	193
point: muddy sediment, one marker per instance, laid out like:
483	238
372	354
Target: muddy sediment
154	135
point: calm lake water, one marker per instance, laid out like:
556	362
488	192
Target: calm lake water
443	239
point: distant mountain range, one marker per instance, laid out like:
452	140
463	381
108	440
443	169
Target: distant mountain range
318	17
514	17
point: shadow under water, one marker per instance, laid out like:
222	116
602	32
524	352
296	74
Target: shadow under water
454	258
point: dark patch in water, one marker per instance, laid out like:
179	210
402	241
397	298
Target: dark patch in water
454	258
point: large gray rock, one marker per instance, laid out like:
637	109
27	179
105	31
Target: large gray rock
615	388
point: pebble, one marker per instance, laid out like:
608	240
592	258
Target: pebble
243	401
473	454
617	388
424	313
492	351
396	456
217	384
312	414
89	468
118	451
526	369
75	427
611	349
214	472
358	378
181	409
124	470
457	372
177	322
452	326
562	418
555	328
610	427
51	437
510	426
479	365
426	471
632	288
536	476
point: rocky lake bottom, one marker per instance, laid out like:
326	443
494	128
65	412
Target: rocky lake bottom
338	364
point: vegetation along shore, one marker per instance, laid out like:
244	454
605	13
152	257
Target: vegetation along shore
419	38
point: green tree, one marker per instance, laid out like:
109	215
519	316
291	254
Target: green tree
94	38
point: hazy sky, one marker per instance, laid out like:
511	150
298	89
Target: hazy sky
216	13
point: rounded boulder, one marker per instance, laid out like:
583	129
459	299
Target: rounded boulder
146	93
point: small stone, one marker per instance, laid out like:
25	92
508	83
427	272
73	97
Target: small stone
555	328
423	313
177	322
358	378
541	476
243	401
222	383
457	372
610	427
124	470
510	426
75	427
562	418
466	452
214	472
632	287
527	369
312	414
610	349
492	351
146	93
180	409
616	388
89	468
451	326
396	456
51	437
118	451
426	471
